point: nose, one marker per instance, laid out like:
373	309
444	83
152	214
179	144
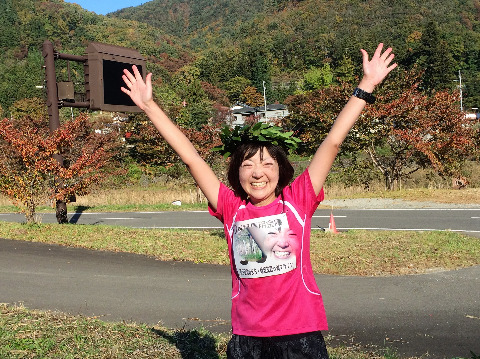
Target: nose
282	242
257	172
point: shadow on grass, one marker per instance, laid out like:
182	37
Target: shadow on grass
192	344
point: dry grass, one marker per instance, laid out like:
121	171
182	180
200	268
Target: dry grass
38	334
142	195
156	195
28	333
440	195
377	253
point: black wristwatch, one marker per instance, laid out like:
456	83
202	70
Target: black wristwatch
364	95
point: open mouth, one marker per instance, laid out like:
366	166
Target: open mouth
258	184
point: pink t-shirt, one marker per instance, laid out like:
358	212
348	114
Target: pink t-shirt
273	288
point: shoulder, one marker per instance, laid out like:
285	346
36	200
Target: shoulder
227	201
302	192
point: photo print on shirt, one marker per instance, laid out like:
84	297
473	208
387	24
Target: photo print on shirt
264	246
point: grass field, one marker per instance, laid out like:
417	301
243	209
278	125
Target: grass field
37	334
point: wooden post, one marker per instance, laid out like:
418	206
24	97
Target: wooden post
53	116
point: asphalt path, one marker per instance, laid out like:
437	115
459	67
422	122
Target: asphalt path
435	314
465	220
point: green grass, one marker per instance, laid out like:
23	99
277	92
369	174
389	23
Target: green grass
356	252
35	334
28	333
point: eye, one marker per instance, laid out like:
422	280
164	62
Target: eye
291	234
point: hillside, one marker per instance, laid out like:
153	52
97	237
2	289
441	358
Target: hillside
184	18
292	36
196	47
315	23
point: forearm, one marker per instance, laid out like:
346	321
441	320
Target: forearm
375	71
140	92
349	115
328	150
199	169
170	132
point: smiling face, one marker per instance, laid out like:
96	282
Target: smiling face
281	244
277	242
259	177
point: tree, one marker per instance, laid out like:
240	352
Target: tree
312	115
252	97
404	131
29	173
148	147
235	87
345	70
417	131
436	58
9	35
317	77
197	108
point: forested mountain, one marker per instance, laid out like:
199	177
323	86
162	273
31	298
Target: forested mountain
289	37
200	50
184	18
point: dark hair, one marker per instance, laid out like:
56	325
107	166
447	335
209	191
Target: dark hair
248	150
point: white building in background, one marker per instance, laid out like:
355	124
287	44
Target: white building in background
241	114
472	116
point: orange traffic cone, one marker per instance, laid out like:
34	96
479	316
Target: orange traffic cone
331	226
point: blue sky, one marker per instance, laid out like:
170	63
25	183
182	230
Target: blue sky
102	7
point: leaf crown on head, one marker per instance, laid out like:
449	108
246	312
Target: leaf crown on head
232	138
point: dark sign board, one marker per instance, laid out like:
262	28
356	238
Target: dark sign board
103	76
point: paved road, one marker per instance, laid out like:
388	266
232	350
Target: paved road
465	220
436	313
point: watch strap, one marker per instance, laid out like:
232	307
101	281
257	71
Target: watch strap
364	95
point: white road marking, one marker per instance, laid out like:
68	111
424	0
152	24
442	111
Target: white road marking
329	216
116	218
404	229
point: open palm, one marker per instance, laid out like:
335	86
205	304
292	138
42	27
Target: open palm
139	91
379	66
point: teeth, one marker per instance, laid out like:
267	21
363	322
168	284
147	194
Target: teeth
259	184
282	254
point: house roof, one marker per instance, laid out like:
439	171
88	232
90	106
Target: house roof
246	110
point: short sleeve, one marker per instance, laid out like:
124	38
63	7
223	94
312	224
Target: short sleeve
303	193
225	196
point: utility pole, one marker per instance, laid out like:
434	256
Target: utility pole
265	100
461	90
